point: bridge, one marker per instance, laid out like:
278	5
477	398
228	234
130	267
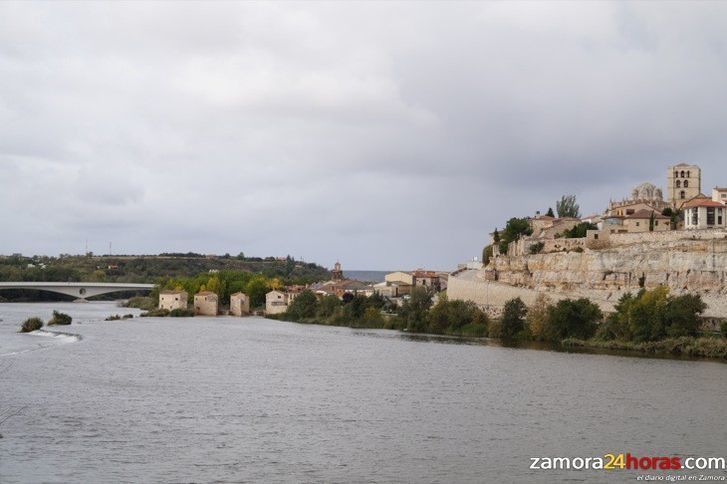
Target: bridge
80	290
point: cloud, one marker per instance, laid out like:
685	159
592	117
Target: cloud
381	134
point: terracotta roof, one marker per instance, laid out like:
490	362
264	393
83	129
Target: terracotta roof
702	202
720	189
646	214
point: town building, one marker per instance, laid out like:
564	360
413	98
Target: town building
340	287
399	277
646	221
704	213
205	303
239	304
276	302
643	197
545	226
337	272
684	183
171	300
426	279
719	195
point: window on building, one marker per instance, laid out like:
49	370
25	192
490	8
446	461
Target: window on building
629	211
638	223
682	194
710	215
676	174
682	173
724	195
695	222
679	183
686	183
687	173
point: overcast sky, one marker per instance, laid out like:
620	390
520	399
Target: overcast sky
384	135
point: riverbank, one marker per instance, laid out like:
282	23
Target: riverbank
700	347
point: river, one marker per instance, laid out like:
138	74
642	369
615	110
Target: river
251	400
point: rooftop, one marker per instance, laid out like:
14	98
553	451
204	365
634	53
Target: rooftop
702	202
646	214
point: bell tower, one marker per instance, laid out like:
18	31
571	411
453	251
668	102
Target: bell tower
337	273
684	182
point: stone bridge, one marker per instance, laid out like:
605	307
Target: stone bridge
80	290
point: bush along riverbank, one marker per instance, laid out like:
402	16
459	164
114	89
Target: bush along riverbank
649	322
417	315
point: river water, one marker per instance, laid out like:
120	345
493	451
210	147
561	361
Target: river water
250	400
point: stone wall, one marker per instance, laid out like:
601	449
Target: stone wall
693	261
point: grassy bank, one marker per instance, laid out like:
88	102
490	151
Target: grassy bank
704	347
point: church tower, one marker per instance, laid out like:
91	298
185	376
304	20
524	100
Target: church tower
337	273
684	182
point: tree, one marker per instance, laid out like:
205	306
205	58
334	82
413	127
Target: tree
256	289
682	315
414	311
486	255
567	207
579	231
303	306
457	317
514	229
537	317
327	306
512	321
550	212
572	318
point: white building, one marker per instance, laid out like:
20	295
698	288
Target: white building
171	300
719	195
704	213
276	302
239	304
205	303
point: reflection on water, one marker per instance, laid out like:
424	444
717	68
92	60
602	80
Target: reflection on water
247	399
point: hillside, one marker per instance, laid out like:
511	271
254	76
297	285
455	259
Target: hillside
146	268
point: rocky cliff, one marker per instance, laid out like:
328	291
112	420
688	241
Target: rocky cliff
683	261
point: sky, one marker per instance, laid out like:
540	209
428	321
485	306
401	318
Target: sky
384	135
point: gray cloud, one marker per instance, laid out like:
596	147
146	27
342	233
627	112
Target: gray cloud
386	135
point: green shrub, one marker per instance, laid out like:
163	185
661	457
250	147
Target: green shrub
141	302
60	319
155	313
181	313
31	324
536	248
512	321
572	318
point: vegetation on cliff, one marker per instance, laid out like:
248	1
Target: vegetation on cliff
567	207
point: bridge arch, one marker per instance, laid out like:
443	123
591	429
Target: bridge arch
79	290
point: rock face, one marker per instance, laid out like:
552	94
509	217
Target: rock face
682	265
603	269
